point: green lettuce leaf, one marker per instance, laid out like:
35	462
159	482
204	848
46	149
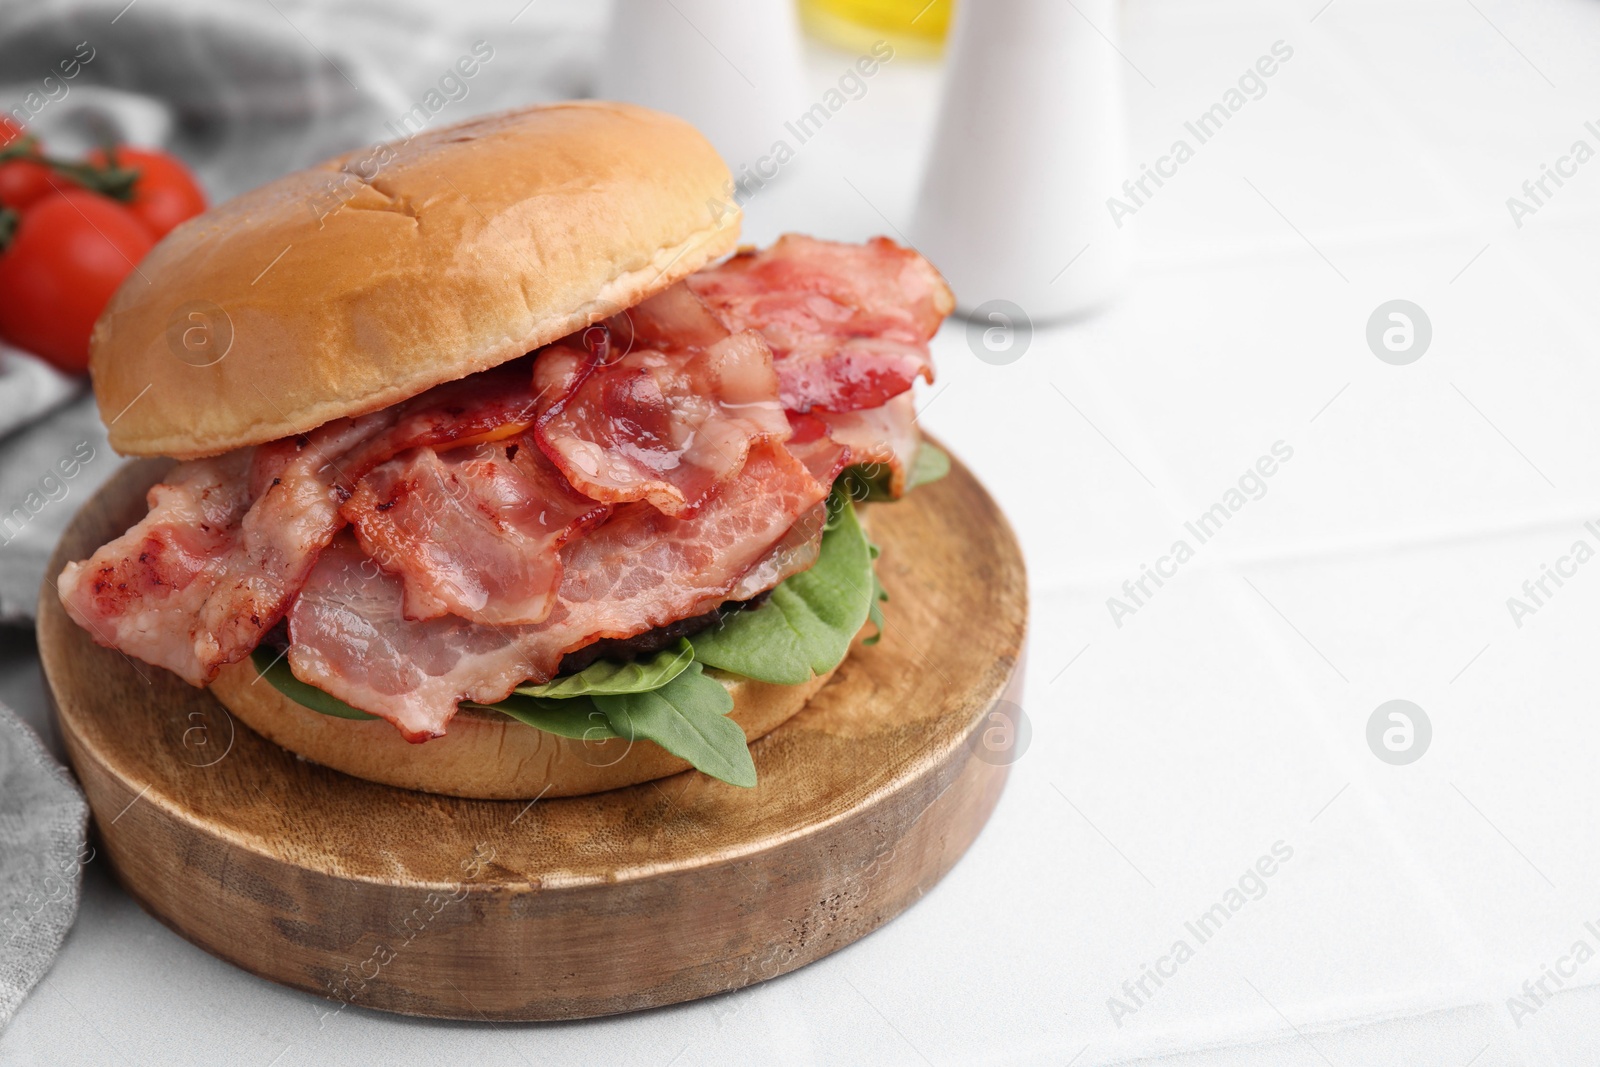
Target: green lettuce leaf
274	667
604	678
689	718
806	625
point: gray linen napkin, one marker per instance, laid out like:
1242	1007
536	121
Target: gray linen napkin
47	471
42	853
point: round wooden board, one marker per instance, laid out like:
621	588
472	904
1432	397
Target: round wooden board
562	909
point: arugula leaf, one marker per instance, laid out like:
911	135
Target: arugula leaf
806	625
605	678
275	669
879	595
689	718
577	718
686	715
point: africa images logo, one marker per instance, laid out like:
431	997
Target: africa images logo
1252	884
1251	485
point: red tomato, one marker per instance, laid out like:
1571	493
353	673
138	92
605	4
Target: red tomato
22	181
166	192
69	253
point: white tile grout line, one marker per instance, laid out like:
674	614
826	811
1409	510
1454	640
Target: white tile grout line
1270	634
1304	553
1360	85
1581	325
1482	984
1449	920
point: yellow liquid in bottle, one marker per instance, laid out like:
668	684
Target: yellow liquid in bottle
914	27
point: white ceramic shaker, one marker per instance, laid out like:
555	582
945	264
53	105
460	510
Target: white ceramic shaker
732	68
1029	145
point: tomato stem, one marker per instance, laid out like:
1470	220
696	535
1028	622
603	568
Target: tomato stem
112	180
24	147
8	226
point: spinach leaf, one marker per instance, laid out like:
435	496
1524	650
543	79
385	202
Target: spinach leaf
604	678
689	718
870	482
576	717
806	625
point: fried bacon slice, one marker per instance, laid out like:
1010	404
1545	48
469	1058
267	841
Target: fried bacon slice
349	634
640	473
849	324
668	419
474	532
229	541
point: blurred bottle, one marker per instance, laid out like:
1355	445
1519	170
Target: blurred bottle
1029	144
914	27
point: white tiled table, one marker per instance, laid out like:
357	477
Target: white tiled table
1229	713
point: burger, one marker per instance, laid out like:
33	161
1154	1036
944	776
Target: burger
499	471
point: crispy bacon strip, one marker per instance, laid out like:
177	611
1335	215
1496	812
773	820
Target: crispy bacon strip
849	324
213	565
795	551
481	498
665	421
229	541
145	592
493	404
879	439
474	532
349	635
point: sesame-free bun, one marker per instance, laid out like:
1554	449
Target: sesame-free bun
352	285
485	754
